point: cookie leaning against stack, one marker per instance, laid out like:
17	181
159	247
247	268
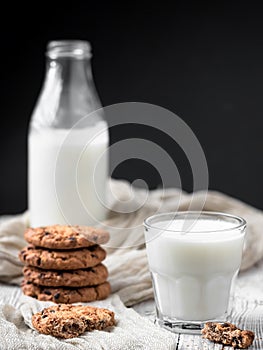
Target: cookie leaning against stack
63	264
69	321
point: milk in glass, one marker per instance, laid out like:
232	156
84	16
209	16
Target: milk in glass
193	271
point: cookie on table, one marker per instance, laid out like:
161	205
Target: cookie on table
66	295
69	321
69	278
65	236
228	334
62	259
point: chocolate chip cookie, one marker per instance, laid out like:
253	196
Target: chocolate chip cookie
69	321
66	295
228	334
70	278
66	237
62	259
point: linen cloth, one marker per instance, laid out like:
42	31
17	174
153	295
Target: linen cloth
127	264
126	258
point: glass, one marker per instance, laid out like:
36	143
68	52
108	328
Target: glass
67	142
193	258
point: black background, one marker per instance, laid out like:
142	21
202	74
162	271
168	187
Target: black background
202	61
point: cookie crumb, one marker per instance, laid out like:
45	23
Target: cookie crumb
228	334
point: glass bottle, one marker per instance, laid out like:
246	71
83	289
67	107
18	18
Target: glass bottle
67	142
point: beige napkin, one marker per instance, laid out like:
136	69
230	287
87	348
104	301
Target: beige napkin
126	260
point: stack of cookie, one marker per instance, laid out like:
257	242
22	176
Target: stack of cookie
63	264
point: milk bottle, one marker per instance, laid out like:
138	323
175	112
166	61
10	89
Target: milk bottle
67	142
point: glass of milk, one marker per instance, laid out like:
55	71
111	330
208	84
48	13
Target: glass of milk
194	258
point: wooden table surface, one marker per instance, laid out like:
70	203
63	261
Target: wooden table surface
247	312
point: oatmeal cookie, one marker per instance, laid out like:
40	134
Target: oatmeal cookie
69	321
68	278
66	295
62	259
65	236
